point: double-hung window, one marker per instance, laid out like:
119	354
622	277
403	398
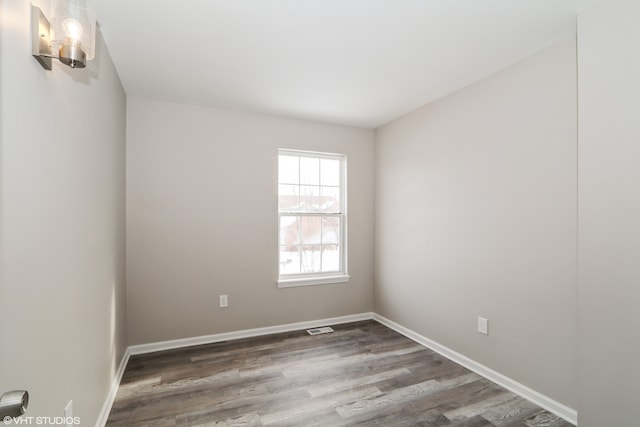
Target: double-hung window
312	218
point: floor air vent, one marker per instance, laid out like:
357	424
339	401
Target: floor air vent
318	331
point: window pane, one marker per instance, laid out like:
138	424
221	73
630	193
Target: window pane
331	230
290	230
330	199
288	172
289	260
310	258
310	229
330	258
330	172
309	171
309	198
288	197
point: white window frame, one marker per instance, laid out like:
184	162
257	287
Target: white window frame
319	278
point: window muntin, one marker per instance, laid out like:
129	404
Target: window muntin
312	218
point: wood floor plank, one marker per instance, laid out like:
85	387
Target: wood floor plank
501	398
363	374
327	402
545	419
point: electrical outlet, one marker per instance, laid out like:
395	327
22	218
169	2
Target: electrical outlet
68	414
224	301
483	325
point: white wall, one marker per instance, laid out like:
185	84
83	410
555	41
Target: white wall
202	221
609	214
61	225
476	216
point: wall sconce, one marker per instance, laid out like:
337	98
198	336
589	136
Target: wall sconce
72	36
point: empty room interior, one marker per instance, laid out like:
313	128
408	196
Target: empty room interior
336	212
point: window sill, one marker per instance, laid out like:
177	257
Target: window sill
316	280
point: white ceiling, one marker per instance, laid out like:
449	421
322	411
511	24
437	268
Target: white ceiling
354	62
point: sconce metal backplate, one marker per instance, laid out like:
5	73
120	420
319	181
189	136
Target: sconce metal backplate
41	37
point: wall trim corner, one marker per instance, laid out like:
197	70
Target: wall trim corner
566	413
108	403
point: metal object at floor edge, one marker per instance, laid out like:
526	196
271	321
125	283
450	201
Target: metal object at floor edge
13	404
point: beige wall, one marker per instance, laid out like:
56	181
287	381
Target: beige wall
202	221
609	215
476	198
62	212
476	216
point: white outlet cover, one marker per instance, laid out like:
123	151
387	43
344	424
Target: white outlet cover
483	325
68	414
224	300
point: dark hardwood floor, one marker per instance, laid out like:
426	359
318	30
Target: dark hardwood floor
362	374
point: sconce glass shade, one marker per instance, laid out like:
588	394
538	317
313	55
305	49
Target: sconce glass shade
74	31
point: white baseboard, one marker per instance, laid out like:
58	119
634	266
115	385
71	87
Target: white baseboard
543	401
108	403
553	406
246	333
